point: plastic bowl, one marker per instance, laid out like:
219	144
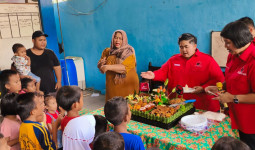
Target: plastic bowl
194	123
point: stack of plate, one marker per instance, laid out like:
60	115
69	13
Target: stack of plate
194	123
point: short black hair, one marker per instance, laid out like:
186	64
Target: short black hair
25	104
238	33
4	79
67	96
247	20
229	143
16	46
38	34
115	110
101	125
47	98
9	104
25	81
187	37
109	141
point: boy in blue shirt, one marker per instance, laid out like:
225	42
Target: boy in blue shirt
118	113
32	134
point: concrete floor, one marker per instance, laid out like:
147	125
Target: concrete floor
91	102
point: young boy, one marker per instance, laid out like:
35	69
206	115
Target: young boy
69	98
118	113
32	134
109	141
227	143
22	63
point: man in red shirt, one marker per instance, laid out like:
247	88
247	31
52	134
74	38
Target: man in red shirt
193	68
240	80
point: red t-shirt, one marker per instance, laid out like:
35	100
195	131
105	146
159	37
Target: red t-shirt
200	70
240	79
49	118
64	122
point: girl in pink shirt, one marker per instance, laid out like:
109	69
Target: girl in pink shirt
11	123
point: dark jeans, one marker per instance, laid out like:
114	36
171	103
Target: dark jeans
249	139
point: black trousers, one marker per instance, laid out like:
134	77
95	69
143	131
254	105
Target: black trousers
249	139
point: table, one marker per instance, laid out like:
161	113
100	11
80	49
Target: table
176	137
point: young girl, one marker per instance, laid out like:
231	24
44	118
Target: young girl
51	116
11	123
51	110
9	82
28	85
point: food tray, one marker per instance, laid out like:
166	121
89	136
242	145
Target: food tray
161	124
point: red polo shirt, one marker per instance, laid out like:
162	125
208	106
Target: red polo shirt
200	70
240	79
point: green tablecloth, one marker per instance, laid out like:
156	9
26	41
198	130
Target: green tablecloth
176	137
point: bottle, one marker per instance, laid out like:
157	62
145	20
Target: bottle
220	89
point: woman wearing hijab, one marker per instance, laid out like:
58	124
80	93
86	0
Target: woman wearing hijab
119	64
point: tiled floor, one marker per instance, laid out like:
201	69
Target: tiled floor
92	102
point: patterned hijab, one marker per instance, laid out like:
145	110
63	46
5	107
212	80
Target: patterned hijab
121	53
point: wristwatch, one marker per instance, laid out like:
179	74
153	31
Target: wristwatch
236	101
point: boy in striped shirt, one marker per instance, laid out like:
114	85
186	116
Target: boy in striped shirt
32	134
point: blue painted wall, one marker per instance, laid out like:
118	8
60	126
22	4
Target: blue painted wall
48	25
152	26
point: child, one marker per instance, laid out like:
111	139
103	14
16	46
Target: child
22	63
118	113
80	132
109	141
32	134
229	143
101	125
9	82
51	115
28	85
11	123
51	110
69	98
3	143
